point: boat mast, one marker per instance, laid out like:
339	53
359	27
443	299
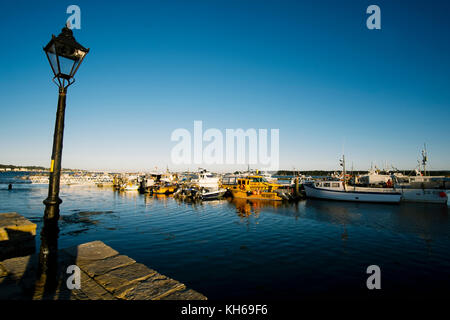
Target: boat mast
343	161
424	159
343	168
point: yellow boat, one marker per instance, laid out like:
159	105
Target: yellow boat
164	190
255	188
253	183
255	195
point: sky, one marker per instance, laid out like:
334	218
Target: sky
311	69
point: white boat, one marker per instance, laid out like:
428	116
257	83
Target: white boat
266	175
213	195
131	187
373	177
336	190
207	181
422	188
285	181
339	190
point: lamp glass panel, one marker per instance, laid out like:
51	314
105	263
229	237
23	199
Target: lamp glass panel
66	66
53	60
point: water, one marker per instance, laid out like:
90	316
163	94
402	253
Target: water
240	250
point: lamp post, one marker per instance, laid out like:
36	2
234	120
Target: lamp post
65	56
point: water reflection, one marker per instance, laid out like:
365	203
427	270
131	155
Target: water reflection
334	212
245	209
426	220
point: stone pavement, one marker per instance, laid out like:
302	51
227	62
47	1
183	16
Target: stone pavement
16	235
105	275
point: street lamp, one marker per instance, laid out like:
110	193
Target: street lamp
65	56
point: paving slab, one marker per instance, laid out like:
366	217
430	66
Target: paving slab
12	221
20	267
92	290
153	288
99	267
90	251
3	272
124	276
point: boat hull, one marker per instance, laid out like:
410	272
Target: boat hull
164	190
214	195
238	194
357	196
424	195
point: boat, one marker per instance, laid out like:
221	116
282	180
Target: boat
207	180
131	187
420	187
255	187
286	180
373	177
266	175
213	195
255	195
164	189
338	190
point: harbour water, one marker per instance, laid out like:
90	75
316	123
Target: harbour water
258	250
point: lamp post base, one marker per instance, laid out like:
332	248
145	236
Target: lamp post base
48	255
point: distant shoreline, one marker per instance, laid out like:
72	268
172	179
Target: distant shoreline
37	169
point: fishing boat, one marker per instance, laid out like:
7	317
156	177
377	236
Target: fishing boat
207	180
164	189
255	187
420	187
256	195
338	190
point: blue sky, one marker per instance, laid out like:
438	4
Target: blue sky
308	68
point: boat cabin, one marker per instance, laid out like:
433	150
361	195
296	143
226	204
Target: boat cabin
330	185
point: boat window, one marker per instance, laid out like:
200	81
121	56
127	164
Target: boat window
318	184
326	184
335	185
